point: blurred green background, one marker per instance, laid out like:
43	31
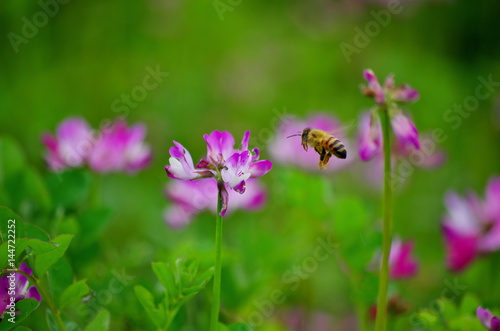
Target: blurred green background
229	74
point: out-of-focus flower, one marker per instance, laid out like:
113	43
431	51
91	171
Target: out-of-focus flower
192	197
70	146
386	96
22	291
298	319
290	151
405	158
490	321
116	148
370	136
471	226
230	167
401	263
119	148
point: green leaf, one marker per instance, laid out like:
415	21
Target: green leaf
51	321
60	277
240	327
93	222
34	232
22	328
100	322
74	293
68	188
44	261
166	278
10	221
25	307
158	316
28	191
12	158
469	304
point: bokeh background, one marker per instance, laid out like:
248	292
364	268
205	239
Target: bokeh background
229	71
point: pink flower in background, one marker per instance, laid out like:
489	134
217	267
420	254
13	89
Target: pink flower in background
401	263
290	151
117	147
491	322
370	136
387	96
120	148
230	167
471	226
406	158
70	146
192	197
22	291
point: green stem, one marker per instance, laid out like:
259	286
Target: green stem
381	320
214	320
46	297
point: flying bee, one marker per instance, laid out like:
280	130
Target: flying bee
323	143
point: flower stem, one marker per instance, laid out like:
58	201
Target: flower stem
381	319
214	320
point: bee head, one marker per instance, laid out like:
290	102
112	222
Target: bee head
305	134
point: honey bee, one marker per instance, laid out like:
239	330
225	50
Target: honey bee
323	143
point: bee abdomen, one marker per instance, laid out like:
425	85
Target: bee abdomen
336	147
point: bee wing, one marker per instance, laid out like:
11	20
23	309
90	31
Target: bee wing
344	129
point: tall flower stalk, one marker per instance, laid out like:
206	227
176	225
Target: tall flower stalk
231	168
375	127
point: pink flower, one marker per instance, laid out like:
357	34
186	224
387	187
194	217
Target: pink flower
471	226
386	97
230	167
370	136
192	197
401	263
389	92
70	146
405	130
491	322
22	289
117	148
120	148
290	151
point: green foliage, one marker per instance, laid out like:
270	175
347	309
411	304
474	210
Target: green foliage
181	282
25	308
100	322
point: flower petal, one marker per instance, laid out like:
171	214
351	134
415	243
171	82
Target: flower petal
461	250
370	136
485	316
260	168
33	293
402	264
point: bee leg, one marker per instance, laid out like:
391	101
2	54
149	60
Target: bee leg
322	162
327	158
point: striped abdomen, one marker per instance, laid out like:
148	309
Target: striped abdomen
335	147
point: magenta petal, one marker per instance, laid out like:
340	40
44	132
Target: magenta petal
240	187
244	142
485	316
403	265
495	324
405	130
260	168
461	249
405	94
370	137
33	293
370	76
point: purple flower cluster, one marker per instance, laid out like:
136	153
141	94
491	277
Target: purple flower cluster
471	225
290	151
402	264
231	168
388	95
15	285
115	148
